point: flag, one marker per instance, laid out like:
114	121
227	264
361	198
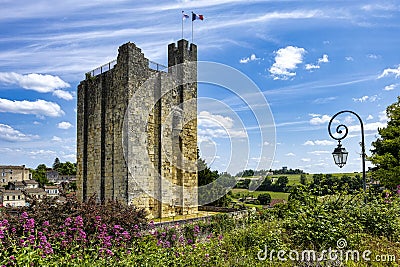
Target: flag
195	16
184	15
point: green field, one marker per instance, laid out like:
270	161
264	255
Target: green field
295	178
274	195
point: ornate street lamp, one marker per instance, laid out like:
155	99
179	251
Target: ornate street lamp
340	154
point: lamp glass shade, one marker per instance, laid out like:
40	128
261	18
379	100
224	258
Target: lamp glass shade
340	156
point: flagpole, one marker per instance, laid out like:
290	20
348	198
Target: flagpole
192	27
182	22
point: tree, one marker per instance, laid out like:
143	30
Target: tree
67	168
56	164
282	183
264	198
303	179
385	154
248	173
39	174
217	184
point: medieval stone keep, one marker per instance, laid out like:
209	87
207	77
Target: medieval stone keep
137	131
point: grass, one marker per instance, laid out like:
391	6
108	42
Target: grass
294	179
274	195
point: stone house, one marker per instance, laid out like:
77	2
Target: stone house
14	198
10	173
37	193
56	178
30	184
52	190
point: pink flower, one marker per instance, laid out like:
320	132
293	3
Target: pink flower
46	223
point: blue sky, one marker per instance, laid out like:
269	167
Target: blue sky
310	59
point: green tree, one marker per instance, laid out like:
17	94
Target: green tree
264	198
248	173
282	182
386	151
39	174
303	179
56	164
67	168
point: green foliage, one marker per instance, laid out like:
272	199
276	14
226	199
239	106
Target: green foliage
303	179
264	198
56	164
386	151
216	185
39	174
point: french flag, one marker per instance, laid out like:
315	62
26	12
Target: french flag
184	15
195	16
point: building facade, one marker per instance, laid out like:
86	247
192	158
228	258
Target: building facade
142	165
13	174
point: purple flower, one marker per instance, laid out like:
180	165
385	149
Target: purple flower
68	221
12	258
220	237
78	221
98	218
24	215
167	244
190	241
136	227
207	255
46	223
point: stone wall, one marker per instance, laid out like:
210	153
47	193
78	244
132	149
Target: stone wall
102	167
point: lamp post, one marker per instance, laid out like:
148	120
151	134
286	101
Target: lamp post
340	153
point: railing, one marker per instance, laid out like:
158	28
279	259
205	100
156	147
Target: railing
156	66
108	66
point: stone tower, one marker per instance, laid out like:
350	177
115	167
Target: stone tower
137	131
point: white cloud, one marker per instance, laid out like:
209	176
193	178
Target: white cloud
370	117
373	56
63	94
38	107
319	143
41	152
286	60
38	82
319	152
373	126
390	87
56	139
64	125
349	58
10	134
366	98
324	59
311	66
382	116
305	159
290	154
320	119
218	126
389	71
266	143
207	119
324	100
245	60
